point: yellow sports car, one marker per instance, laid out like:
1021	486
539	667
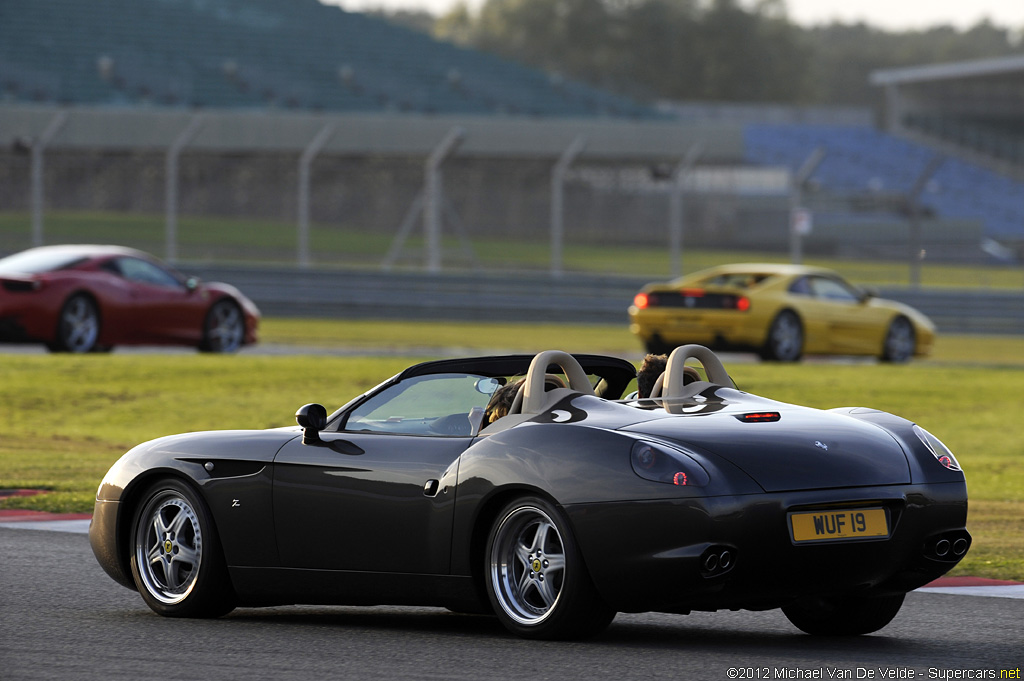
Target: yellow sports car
779	311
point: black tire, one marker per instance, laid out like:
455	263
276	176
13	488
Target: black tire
78	326
176	559
900	341
848	616
656	346
785	341
223	328
535	577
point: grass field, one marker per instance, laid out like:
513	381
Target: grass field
265	241
66	419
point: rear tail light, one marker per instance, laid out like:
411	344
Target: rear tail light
697	299
671	466
940	451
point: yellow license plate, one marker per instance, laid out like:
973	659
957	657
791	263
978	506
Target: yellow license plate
859	523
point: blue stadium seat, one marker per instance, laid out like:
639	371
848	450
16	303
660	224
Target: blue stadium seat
862	160
248	53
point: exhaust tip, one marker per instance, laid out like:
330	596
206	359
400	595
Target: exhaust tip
717	560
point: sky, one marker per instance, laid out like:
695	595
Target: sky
888	14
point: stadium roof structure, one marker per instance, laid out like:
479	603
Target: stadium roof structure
951	71
977	105
258	54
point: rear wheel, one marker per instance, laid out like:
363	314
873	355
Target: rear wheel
224	328
899	341
536	580
843	616
656	346
78	327
176	558
785	342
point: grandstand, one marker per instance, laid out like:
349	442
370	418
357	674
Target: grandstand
127	78
976	106
255	54
866	176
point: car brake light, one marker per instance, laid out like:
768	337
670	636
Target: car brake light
660	463
743	303
940	451
641	300
760	417
692	293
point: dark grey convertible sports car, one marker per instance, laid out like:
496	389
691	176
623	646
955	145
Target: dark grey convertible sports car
574	506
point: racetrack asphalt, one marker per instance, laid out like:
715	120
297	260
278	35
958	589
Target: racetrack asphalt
78	523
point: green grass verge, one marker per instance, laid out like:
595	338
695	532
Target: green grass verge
68	418
203	239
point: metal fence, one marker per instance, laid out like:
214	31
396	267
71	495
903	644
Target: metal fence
380	191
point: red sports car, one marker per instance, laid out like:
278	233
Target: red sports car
91	298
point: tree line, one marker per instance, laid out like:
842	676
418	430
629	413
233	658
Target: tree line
705	50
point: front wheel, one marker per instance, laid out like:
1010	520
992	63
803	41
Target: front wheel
536	580
785	342
224	328
176	558
899	341
844	616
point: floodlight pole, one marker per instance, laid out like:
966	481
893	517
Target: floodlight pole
38	147
916	252
433	195
171	185
314	147
558	200
676	217
796	192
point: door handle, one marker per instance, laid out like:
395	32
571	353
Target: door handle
430	488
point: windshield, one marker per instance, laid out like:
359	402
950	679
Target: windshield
438	404
37	261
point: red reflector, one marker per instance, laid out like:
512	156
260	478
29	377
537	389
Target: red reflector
679	478
760	417
743	303
640	300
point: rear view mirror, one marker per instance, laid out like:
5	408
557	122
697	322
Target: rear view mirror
488	386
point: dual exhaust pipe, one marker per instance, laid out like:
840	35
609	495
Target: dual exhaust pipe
717	560
948	546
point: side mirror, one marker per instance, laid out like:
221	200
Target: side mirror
867	293
312	418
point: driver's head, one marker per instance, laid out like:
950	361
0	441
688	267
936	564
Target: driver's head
652	367
501	401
